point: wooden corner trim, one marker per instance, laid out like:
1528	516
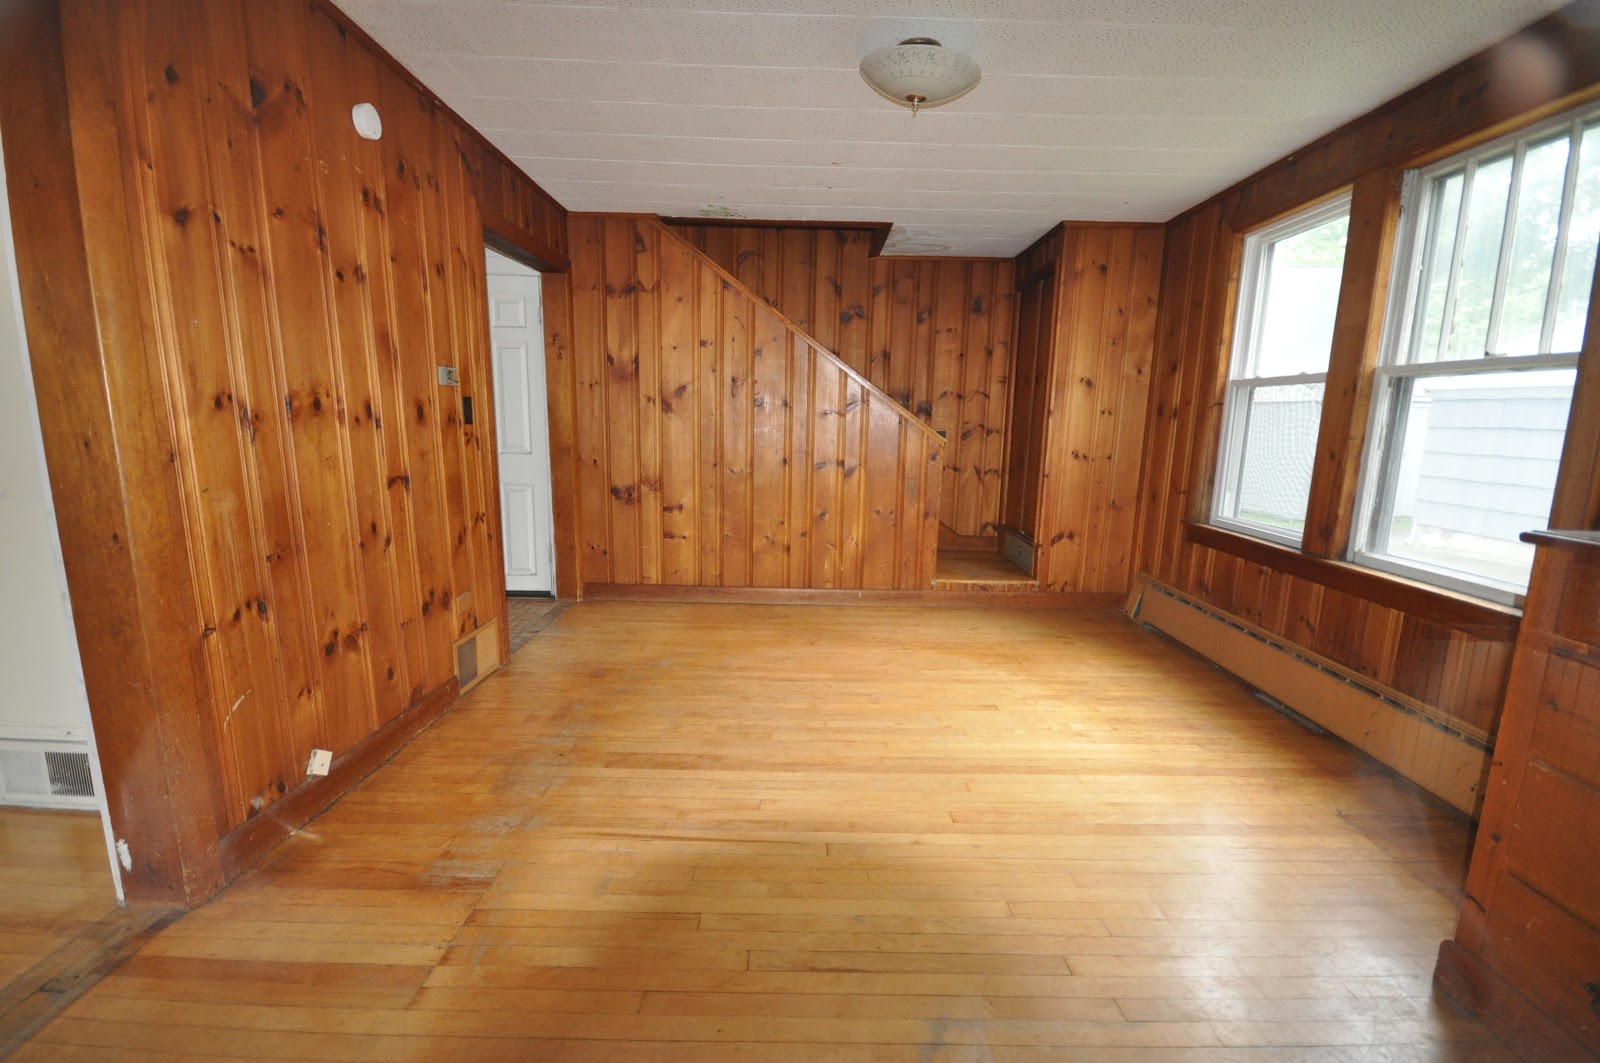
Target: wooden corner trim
1459	611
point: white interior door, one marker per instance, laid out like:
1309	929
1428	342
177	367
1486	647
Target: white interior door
516	334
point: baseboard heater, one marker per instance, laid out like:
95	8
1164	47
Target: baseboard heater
1447	760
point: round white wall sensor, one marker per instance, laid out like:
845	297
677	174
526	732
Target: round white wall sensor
368	124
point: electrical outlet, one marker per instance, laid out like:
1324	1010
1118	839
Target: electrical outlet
321	761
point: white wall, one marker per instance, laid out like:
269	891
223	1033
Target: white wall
43	691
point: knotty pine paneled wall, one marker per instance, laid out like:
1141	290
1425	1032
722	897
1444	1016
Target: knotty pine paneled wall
821	279
1425	647
275	521
941	345
1093	289
934	333
719	446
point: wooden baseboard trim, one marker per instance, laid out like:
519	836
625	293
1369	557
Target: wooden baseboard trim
1032	597
247	843
1508	1014
1450	763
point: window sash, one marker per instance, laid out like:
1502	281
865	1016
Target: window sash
1237	407
1250	318
1419	248
1378	489
1402	351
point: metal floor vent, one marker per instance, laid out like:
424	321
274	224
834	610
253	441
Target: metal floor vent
478	654
45	774
1018	549
467	662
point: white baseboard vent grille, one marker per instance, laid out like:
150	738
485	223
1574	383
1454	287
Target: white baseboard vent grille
46	774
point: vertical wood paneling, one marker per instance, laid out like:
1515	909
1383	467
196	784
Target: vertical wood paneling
561	389
679	422
297	261
515	207
1085	342
784	466
201	373
941	342
359	398
271	298
818	278
590	417
933	333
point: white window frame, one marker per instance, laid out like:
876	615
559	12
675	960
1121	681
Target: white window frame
1395	375
1249	316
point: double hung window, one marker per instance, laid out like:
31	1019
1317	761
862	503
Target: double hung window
1289	291
1486	317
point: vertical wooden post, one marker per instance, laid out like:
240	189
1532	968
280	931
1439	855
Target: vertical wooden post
103	416
1357	336
1577	496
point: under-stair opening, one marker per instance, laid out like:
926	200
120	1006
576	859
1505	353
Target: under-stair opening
970	561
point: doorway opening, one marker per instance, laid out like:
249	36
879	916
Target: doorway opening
522	426
522	441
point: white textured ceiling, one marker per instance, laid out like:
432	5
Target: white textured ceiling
1118	110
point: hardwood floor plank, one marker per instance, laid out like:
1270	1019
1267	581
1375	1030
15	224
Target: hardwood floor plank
731	832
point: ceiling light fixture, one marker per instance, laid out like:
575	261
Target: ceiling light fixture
920	72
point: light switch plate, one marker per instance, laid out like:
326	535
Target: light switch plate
321	761
449	376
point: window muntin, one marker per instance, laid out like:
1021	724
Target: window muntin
1480	353
1288	296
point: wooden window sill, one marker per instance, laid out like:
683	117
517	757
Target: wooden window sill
1460	611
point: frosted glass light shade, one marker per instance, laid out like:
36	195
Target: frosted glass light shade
920	72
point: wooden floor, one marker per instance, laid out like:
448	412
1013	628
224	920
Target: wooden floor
55	883
526	617
707	832
960	565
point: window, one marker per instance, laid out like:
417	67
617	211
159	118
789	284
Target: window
1487	314
1289	291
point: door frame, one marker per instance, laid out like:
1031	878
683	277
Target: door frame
536	473
560	396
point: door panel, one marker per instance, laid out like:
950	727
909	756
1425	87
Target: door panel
516	331
512	398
